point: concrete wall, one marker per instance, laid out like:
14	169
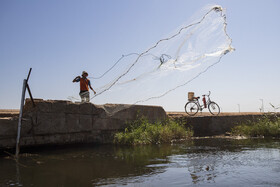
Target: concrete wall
215	125
64	122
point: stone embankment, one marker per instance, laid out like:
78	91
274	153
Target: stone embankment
209	125
65	122
54	122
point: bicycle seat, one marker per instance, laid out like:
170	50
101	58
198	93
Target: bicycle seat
196	98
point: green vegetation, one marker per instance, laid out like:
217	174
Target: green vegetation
141	131
267	126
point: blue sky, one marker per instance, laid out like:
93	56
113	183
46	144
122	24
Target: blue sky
60	39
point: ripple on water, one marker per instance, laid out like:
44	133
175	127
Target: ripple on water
208	162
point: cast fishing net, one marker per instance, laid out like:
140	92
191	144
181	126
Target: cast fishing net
168	64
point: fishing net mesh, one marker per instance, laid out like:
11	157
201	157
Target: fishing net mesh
170	63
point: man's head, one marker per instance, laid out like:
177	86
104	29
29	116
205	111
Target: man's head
84	74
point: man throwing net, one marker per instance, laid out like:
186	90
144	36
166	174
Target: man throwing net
84	87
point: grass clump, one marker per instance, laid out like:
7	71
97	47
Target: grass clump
267	126
141	131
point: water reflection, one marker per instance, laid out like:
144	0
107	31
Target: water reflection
210	162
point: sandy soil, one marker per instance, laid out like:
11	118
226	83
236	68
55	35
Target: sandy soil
11	111
8	113
181	114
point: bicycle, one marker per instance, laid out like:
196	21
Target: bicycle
193	105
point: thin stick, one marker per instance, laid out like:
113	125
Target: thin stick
28	74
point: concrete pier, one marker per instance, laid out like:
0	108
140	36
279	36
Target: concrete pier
55	122
209	125
63	122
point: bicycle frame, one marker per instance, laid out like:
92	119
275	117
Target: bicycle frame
201	107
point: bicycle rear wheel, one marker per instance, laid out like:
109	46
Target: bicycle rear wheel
214	108
191	108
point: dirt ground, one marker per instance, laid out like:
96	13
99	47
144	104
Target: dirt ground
181	114
9	111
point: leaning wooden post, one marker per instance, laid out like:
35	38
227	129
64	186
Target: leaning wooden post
20	116
28	89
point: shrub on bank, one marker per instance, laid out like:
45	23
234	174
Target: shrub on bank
267	126
141	131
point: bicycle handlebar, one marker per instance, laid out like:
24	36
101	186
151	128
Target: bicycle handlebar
206	94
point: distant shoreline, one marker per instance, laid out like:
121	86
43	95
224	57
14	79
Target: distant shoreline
178	114
14	111
9	110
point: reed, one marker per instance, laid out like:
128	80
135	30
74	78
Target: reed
141	131
266	126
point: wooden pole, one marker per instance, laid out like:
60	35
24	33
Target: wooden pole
28	74
28	89
20	116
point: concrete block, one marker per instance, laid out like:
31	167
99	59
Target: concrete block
200	125
98	110
7	143
127	114
53	139
72	108
45	106
27	141
108	124
85	122
43	123
84	137
152	113
59	106
26	127
35	140
85	108
59	139
73	123
8	127
28	106
59	123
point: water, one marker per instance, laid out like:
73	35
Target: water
200	162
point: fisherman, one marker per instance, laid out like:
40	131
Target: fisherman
84	84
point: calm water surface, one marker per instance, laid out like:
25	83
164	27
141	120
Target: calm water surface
200	162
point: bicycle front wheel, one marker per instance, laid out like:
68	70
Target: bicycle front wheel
191	108
214	108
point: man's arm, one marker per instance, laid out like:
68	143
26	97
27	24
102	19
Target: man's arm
92	90
91	87
77	79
